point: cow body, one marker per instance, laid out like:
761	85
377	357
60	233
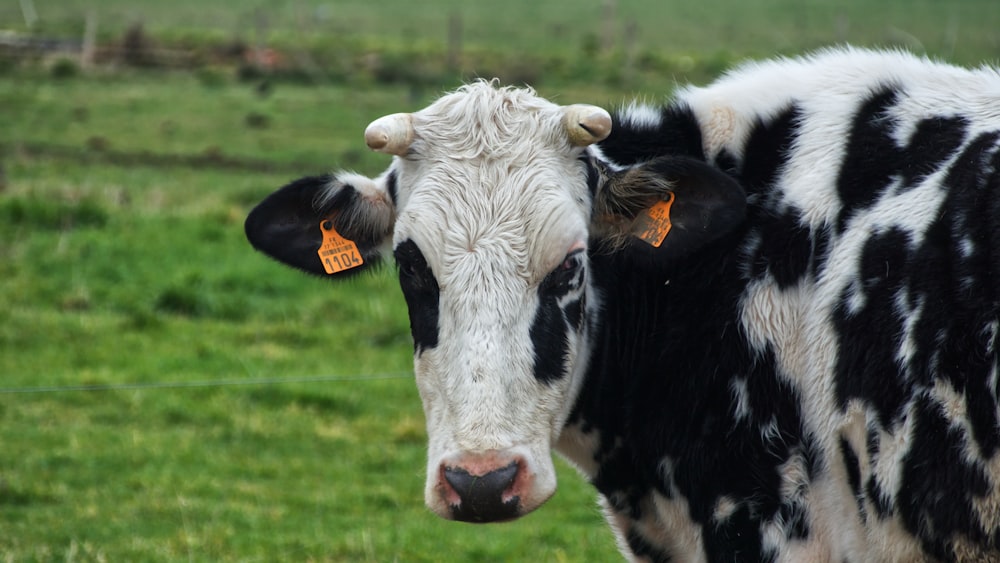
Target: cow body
807	371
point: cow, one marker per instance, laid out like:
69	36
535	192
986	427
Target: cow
761	318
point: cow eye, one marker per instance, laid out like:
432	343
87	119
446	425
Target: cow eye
567	274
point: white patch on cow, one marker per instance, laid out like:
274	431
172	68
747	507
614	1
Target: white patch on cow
931	90
835	528
856	298
724	508
596	152
952	404
990	333
770	432
665	524
890	542
893	446
794	475
719	124
741	399
770	315
911	317
371	190
967	247
674	529
987	507
641	116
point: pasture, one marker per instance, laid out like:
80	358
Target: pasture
168	394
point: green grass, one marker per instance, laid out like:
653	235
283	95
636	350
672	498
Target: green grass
122	261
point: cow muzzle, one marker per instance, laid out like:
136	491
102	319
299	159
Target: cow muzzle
490	487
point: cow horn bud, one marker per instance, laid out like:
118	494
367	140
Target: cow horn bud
585	124
391	134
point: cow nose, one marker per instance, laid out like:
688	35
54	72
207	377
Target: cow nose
482	496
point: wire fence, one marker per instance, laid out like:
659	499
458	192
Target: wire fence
152	385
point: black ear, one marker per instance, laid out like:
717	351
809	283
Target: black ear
670	207
350	216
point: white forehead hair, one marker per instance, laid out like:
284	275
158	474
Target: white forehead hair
492	168
481	121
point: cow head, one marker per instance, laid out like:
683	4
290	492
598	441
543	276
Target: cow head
492	208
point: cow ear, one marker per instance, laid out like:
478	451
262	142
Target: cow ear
669	207
326	225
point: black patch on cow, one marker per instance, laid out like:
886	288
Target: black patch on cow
937	509
594	174
961	301
869	337
549	340
934	141
874	160
872	157
392	186
549	330
821	244
736	538
422	294
677	134
574	313
878	498
727	162
660	391
767	151
784	250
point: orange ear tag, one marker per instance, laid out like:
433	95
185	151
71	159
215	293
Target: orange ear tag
337	253
653	224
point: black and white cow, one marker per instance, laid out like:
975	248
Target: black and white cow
804	369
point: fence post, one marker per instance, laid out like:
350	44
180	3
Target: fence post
89	45
29	13
629	46
610	20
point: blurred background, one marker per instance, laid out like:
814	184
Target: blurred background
168	394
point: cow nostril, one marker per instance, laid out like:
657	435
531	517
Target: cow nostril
482	495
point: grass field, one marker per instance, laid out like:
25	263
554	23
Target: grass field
123	269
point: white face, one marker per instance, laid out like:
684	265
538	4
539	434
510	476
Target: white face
491	241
